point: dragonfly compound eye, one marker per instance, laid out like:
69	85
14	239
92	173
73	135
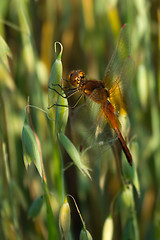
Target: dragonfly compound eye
75	77
81	74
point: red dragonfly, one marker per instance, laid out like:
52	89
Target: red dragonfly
109	93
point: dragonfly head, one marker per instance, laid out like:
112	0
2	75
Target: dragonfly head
76	77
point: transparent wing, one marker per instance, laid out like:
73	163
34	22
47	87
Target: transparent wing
91	123
119	91
91	131
119	72
118	59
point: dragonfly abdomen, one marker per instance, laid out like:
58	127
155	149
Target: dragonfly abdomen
115	124
124	147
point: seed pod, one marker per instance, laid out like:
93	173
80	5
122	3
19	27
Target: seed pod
56	96
74	154
85	235
31	147
108	229
36	207
65	220
54	81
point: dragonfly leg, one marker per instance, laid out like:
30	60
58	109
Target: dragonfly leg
73	90
59	105
62	88
57	92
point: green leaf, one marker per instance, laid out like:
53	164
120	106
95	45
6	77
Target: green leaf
131	172
4	53
18	194
74	154
35	208
51	223
130	230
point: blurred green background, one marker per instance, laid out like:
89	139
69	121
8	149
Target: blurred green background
88	30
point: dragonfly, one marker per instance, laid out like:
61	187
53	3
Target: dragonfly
110	92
